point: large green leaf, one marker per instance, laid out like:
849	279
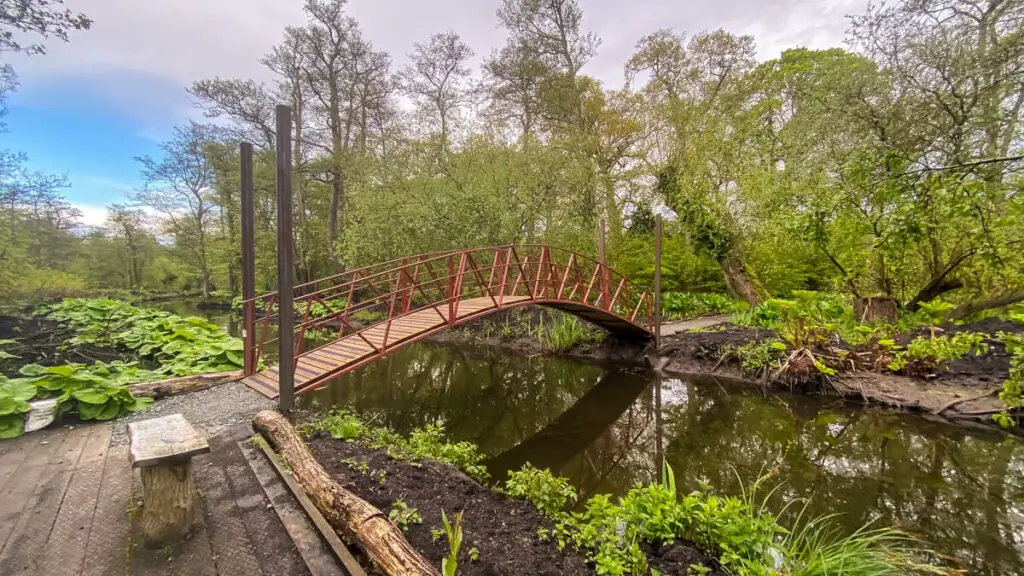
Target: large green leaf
32	370
10	405
18	388
11	426
91	395
139	403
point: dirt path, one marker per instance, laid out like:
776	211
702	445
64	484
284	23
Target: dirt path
675	327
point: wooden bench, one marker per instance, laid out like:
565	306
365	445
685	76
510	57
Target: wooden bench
162	449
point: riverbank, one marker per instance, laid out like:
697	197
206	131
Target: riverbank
965	390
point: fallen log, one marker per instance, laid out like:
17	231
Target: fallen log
158	389
355	519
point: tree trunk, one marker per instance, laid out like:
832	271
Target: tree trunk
355	519
739	281
994	302
162	388
169	507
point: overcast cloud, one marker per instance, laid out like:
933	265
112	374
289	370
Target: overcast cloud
140	54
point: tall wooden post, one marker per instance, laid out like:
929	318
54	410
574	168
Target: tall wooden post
602	257
285	260
248	259
657	280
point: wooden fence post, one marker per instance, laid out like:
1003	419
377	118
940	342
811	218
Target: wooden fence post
248	259
285	260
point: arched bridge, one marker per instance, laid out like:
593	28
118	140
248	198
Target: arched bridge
353	318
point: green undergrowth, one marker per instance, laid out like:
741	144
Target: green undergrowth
1011	394
555	331
681	305
94	392
740	531
181	346
820	334
422	443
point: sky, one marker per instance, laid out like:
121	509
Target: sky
88	108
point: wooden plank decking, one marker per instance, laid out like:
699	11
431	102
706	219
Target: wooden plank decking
338	356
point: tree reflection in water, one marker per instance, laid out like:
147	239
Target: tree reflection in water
606	430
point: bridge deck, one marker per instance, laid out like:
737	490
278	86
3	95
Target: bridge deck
345	353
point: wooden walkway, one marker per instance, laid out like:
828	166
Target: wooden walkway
352	350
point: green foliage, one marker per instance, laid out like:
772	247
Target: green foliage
935	311
450	563
402	515
757	355
564	332
549	493
678	305
426	442
742	537
183	346
924	354
14	397
1012	395
95	392
745	537
473	554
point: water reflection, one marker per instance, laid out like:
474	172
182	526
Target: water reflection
607	430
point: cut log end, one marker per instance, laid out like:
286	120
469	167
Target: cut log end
356	520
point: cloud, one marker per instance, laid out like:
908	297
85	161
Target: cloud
92	215
179	41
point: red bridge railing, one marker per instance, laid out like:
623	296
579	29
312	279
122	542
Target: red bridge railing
357	300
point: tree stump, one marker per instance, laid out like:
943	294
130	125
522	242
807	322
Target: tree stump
876	308
169	507
162	448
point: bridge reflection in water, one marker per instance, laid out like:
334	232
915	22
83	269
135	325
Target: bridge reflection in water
607	431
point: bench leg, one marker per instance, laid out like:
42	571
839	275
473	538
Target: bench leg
168	497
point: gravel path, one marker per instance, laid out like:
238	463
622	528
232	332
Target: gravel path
210	410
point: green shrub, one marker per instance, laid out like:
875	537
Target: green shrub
549	493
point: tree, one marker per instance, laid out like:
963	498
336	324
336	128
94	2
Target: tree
126	224
179	186
435	78
39	17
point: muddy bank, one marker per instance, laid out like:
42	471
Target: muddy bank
501	530
966	390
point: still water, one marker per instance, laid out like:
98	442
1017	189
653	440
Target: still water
607	429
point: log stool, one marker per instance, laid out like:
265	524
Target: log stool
162	450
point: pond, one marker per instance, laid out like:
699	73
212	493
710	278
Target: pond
606	429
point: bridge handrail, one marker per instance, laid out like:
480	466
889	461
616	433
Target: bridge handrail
537	271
